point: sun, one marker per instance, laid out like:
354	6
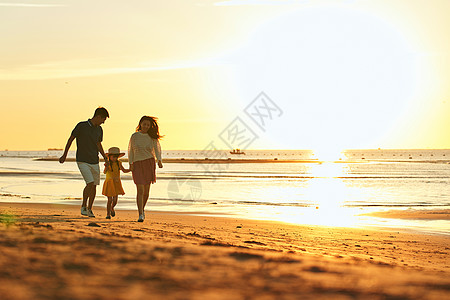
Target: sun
344	78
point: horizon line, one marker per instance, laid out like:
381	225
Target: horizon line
350	149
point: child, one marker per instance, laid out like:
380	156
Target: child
112	187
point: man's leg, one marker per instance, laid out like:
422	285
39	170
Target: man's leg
91	194
88	176
86	193
95	173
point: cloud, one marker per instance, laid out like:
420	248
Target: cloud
90	68
259	2
281	2
41	5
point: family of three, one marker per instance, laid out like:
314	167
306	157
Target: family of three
144	151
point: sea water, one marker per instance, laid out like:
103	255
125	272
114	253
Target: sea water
306	191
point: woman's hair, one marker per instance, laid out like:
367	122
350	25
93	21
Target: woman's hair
153	131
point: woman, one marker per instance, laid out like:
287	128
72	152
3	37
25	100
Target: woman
143	149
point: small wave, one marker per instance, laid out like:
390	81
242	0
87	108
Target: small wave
398	205
293	204
11	195
234	202
71	175
224	176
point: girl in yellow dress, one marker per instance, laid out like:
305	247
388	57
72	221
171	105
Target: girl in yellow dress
112	187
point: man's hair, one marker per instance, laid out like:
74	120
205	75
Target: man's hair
101	111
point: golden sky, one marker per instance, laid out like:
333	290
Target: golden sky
346	74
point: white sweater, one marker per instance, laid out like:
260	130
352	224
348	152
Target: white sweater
143	147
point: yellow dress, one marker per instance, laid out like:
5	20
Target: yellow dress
113	186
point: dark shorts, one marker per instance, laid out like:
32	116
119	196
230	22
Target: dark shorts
144	171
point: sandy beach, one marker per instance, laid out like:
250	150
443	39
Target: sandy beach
52	252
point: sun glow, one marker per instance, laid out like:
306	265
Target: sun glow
343	77
328	154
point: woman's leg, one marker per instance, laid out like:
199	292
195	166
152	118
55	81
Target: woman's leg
146	195
140	198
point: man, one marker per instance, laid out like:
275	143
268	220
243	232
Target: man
89	135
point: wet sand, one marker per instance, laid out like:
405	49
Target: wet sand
413	214
52	252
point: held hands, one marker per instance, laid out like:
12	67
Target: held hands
160	165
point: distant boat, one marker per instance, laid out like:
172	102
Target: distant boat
55	149
237	151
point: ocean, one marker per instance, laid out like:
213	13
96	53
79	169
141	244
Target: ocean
292	186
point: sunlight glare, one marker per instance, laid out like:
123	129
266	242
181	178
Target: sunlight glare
328	154
342	76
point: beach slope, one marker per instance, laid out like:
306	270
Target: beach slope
52	252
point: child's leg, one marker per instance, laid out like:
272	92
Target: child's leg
108	206
114	202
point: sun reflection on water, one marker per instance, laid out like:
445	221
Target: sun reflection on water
327	169
324	194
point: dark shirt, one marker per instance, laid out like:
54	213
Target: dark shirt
87	136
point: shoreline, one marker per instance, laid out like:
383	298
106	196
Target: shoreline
404	219
184	256
264	160
204	160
